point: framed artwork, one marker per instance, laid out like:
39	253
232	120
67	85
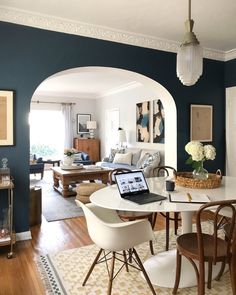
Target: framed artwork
6	118
82	120
142	121
201	118
158	122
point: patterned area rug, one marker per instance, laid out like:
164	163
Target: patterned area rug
64	272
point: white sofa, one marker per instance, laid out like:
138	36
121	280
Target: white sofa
133	159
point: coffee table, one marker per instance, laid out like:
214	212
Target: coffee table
76	175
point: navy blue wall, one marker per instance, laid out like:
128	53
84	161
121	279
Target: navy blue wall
230	73
28	56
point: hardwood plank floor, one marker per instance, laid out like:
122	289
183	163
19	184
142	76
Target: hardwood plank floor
19	276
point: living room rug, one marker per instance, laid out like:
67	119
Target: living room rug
54	206
64	272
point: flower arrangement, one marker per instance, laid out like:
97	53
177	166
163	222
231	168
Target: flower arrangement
69	152
199	153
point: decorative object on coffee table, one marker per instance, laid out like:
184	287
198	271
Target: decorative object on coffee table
69	157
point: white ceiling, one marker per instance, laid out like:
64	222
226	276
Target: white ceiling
149	23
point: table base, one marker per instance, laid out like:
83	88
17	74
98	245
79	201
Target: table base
161	270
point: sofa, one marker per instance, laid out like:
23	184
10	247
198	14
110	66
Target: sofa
82	158
133	159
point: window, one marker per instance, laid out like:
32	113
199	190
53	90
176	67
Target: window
46	133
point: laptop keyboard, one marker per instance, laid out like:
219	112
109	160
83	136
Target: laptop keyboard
145	198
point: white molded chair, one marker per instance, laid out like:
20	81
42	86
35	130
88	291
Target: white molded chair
112	234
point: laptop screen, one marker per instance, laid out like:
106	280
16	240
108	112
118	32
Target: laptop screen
130	183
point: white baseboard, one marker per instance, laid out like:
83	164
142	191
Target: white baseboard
23	236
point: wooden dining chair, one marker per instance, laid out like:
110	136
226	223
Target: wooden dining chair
200	247
165	171
130	215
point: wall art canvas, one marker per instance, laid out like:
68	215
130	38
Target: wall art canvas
201	122
158	122
6	118
82	120
142	121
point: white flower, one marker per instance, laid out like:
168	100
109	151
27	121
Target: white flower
199	152
196	150
210	152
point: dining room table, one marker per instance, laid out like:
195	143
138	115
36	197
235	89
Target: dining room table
161	267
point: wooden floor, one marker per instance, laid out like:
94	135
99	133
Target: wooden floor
19	276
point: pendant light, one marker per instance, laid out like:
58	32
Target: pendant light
190	55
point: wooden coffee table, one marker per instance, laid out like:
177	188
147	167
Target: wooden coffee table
68	176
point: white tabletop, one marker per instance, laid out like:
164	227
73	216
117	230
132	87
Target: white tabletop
109	197
161	267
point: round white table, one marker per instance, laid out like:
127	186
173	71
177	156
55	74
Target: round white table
161	267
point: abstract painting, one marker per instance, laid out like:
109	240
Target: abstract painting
158	122
142	121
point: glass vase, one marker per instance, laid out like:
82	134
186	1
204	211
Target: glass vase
200	173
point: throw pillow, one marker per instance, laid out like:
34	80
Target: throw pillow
113	152
123	158
78	157
151	159
142	160
135	158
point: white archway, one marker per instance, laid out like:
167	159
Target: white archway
140	82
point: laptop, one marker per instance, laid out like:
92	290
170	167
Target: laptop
133	187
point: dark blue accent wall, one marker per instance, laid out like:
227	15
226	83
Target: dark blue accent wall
230	73
28	56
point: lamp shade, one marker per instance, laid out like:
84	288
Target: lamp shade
189	63
91	125
121	136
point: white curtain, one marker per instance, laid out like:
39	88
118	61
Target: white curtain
68	130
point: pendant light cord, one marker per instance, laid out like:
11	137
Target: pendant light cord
189	9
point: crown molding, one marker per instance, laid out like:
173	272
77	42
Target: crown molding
231	54
47	22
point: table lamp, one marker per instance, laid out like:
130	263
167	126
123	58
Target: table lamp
121	137
91	125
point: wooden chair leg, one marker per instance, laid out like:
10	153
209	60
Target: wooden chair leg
222	269
176	218
201	282
151	247
111	273
178	270
125	260
209	279
167	230
92	267
144	271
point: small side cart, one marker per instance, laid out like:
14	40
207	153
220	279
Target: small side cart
7	235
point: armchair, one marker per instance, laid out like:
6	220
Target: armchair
37	166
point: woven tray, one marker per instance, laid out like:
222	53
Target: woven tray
186	179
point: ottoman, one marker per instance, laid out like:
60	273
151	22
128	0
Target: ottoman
84	190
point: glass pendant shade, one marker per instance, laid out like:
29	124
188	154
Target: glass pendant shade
189	63
190	55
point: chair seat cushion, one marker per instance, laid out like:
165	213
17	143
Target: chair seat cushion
187	243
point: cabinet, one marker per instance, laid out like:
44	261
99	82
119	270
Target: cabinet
89	146
7	236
